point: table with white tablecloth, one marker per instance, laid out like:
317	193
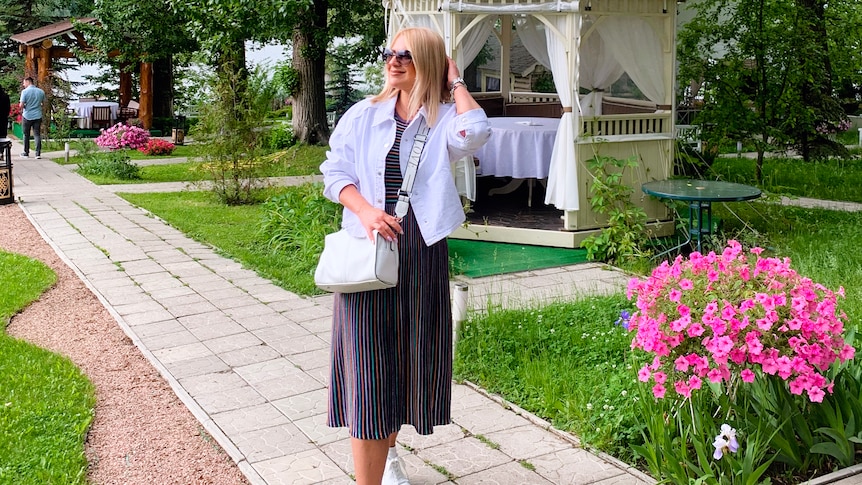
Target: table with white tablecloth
519	148
83	110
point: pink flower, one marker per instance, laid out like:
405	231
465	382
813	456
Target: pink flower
695	330
694	382
122	136
732	313
644	374
714	375
816	394
658	391
682	388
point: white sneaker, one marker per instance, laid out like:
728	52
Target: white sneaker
393	473
38	157
25	155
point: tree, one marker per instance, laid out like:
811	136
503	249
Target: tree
18	16
309	25
767	70
342	94
130	32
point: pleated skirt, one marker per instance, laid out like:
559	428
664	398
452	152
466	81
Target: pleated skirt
392	348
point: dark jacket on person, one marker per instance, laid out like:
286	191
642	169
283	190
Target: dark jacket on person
5	106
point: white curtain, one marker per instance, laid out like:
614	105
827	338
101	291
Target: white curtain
531	31
598	71
473	41
631	40
562	190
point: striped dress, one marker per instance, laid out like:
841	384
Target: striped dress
392	348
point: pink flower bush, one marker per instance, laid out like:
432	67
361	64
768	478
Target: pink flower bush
733	317
122	136
155	146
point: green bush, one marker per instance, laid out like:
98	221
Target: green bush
110	164
298	221
281	136
286	112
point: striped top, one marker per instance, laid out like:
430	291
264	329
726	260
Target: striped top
393	177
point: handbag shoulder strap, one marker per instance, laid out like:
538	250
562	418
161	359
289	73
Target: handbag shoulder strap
412	165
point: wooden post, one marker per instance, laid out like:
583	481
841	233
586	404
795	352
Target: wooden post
145	111
125	85
30	62
44	81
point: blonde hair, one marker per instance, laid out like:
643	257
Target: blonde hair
432	67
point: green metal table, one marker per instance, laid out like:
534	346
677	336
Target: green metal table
700	194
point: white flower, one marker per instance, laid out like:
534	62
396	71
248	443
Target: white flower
725	441
589	406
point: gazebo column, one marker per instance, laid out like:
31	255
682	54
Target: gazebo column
145	111
30	62
505	56
125	84
44	81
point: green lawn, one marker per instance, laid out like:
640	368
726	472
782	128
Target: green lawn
47	403
295	161
830	180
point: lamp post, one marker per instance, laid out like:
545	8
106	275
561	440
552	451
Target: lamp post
178	133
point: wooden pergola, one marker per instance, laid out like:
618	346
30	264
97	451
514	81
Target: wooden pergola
40	48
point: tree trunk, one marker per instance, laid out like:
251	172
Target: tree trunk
163	90
816	90
309	57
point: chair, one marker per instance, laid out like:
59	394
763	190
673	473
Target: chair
100	116
125	114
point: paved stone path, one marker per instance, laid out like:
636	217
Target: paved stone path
250	360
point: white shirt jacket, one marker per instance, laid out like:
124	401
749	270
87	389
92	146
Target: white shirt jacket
357	156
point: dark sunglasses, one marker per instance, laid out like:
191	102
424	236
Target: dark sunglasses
401	57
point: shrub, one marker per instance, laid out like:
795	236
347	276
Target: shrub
611	196
15	112
232	143
299	220
155	147
110	164
281	136
122	136
742	358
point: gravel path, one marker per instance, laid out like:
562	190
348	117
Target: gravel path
142	433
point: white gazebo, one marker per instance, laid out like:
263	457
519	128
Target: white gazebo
587	45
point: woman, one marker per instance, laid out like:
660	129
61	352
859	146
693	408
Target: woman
392	348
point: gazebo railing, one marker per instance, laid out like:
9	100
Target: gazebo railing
528	97
628	124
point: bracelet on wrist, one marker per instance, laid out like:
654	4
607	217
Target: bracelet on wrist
454	85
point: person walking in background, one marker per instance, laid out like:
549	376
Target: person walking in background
5	107
31	114
392	348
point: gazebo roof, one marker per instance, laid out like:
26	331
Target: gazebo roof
35	36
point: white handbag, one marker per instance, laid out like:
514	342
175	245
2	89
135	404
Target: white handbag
355	264
352	264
